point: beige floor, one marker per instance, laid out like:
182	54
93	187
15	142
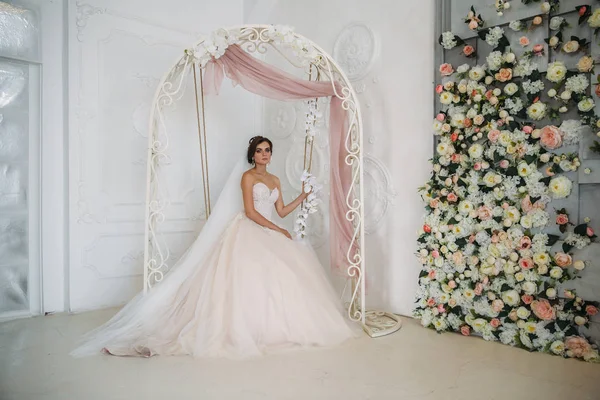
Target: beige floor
412	364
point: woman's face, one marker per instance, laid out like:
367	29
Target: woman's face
262	155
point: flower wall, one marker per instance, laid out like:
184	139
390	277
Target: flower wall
504	236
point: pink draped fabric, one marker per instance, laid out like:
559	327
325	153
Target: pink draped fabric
265	80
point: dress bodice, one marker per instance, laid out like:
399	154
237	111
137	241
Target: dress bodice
264	199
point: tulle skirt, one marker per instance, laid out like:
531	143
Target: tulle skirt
257	292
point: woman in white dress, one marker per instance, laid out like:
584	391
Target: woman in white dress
241	290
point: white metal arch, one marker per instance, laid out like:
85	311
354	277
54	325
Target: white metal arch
300	52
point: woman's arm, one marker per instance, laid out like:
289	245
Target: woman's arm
247	185
284	210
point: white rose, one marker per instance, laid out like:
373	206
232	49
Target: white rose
506	5
523	313
586	104
446	128
524	169
551	93
537	111
563	109
476	150
511	89
520	277
510	297
579	320
551	293
509	268
489	80
594	20
571	46
514	257
566	95
579	265
446	97
560	187
545	7
541	258
556	272
479	119
529	287
557	347
545	157
497	92
462	88
477	73
536	133
527	221
553	41
509	58
555	23
477	98
556	71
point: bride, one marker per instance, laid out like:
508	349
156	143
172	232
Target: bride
243	288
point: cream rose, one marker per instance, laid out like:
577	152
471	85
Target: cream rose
579	265
560	187
523	313
585	105
511	297
477	73
529	287
556	272
571	46
537	111
556	71
594	19
551	293
476	150
446	98
553	41
557	347
511	89
586	63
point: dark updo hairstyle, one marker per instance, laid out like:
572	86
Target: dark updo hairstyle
253	144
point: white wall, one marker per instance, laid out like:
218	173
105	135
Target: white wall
397	104
118	51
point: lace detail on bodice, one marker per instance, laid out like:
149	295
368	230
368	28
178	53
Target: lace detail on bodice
264	199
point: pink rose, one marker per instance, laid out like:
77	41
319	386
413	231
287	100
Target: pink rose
526	204
485	280
525	243
431	302
527	298
439	89
465	330
589	231
473	24
505	74
513	315
434	203
455	158
452	284
538	48
489	94
582	11
591	310
471	238
543	310
484	213
527	129
505	206
468	50
468	122
504	164
537	20
435	253
577	346
454	138
478	289
568	294
446	69
441	117
523	41
477	166
526	263
497	305
441	308
452	197
562	219
477	130
494	323
452	303
458	260
551	137
549	171
431	274
563	260
495	239
493	135
597	90
427	228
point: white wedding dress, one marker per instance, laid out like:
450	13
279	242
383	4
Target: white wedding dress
255	292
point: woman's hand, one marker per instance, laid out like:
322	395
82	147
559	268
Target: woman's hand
286	233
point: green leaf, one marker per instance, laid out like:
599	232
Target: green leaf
552	239
567	247
581	229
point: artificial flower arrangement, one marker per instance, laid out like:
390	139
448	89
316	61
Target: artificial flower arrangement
489	267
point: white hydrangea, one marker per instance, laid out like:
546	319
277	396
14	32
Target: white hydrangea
513	106
494	60
577	241
572	131
534	87
448	40
494	35
463	68
577	84
516	25
525	67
